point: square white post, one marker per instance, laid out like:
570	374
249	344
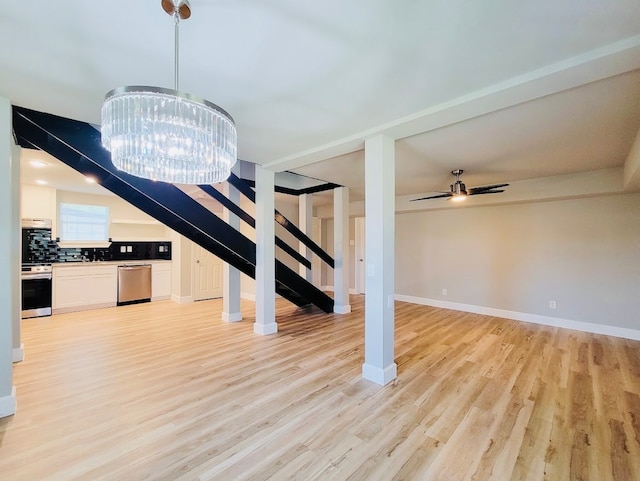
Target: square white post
305	224
265	253
341	250
379	365
230	275
9	256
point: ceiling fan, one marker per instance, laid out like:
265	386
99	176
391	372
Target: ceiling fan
459	191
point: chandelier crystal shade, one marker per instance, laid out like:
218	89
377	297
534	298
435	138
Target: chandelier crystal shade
168	135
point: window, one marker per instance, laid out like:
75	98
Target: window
79	222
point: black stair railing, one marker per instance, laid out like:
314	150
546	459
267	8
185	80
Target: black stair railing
245	217
245	189
78	145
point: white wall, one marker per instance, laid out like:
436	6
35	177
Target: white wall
582	253
123	217
44	202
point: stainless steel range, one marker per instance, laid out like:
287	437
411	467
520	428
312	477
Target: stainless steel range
36	291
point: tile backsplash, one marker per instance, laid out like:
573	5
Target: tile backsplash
41	249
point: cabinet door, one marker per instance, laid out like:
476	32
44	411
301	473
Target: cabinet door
85	286
160	281
71	291
104	287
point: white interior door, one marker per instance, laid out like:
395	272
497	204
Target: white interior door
360	260
207	274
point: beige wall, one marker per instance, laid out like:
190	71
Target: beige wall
582	253
327	245
38	202
289	209
181	268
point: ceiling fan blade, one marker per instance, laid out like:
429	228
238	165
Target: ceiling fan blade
486	192
432	197
476	190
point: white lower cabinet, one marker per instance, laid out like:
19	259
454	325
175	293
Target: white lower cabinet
84	287
160	281
91	286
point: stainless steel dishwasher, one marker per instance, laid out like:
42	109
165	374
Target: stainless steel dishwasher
134	284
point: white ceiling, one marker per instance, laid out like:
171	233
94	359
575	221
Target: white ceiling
505	90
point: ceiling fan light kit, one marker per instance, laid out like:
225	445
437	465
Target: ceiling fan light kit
168	135
458	191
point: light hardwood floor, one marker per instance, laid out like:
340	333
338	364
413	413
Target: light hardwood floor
164	391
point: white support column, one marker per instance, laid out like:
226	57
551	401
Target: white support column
379	365
341	250
230	275
305	224
9	256
18	346
631	180
265	253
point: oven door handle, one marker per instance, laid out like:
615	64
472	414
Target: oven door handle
36	276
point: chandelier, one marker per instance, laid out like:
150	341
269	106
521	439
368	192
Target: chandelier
168	135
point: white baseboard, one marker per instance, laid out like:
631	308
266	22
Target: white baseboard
231	316
181	300
342	309
265	329
330	289
8	404
526	317
88	307
17	354
252	297
379	375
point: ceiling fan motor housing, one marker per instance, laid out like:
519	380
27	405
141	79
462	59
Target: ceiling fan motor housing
458	188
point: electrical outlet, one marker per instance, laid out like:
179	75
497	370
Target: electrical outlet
444	292
552	304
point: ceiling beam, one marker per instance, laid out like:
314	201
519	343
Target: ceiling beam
608	61
593	183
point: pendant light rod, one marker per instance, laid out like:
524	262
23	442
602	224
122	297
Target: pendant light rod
179	10
176	66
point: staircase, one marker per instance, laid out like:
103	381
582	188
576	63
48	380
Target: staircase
78	145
